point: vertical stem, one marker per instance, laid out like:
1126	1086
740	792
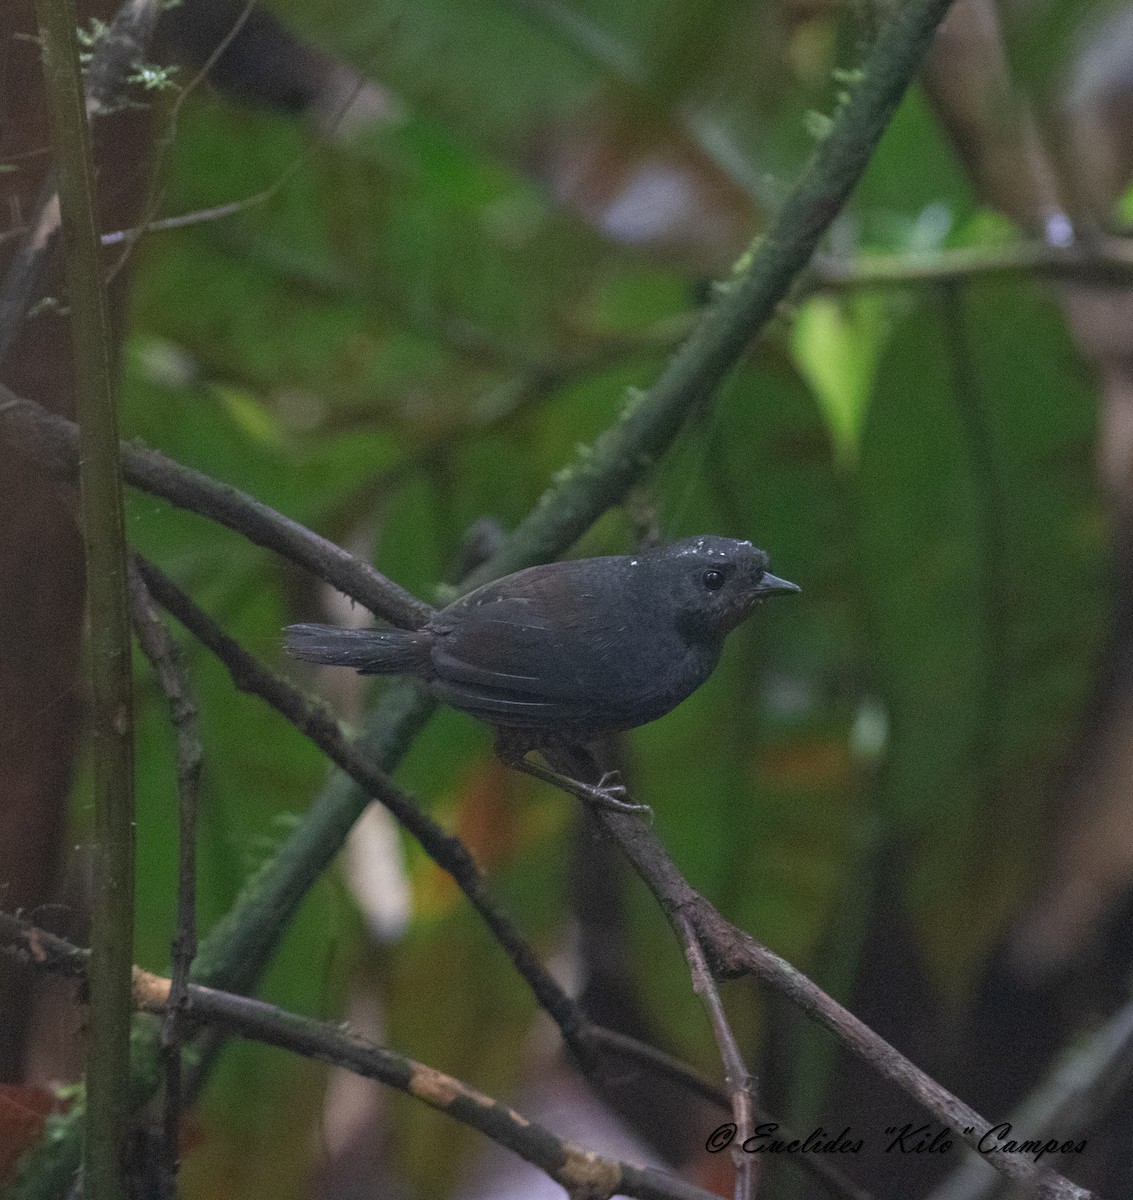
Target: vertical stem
169	666
741	1087
107	1111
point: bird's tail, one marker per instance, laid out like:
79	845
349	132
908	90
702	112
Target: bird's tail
368	651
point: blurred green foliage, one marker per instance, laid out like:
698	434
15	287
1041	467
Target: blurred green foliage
410	335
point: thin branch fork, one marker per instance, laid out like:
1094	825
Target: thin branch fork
589	1042
53	440
584	1174
50	440
733	953
689	911
740	1087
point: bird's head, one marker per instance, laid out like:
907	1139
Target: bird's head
713	583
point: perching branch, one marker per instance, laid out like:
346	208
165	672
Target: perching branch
103	522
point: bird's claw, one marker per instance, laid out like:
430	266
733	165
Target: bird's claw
610	793
611	785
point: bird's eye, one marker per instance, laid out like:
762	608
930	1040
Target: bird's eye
713	580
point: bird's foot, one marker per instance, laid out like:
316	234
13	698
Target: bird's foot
609	792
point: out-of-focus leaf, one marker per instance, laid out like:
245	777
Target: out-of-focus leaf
981	549
912	172
837	342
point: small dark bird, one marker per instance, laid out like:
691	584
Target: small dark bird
557	655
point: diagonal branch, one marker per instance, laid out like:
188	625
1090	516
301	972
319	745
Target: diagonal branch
582	1172
733	953
52	441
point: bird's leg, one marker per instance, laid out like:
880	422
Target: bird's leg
606	793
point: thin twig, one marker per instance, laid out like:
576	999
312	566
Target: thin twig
53	442
733	953
582	1172
736	1075
169	666
200	216
197	217
154	199
301	160
1105	260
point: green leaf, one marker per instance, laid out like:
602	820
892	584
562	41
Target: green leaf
982	554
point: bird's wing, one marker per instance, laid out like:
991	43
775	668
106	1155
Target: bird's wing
543	656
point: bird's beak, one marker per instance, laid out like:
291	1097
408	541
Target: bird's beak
770	584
